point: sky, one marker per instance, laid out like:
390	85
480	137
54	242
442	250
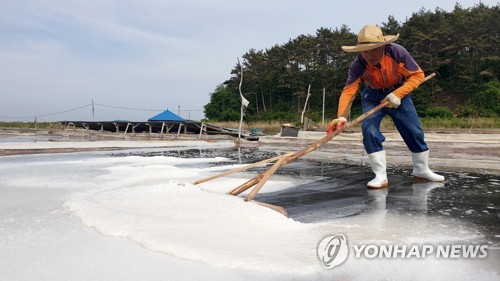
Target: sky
89	60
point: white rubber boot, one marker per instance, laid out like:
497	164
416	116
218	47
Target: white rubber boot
378	164
421	167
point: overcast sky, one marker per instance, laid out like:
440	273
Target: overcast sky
56	56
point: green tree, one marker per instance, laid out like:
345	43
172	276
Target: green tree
486	99
461	46
392	26
224	105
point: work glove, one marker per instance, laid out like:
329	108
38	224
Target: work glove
335	124
394	102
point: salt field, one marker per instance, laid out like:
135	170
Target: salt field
135	215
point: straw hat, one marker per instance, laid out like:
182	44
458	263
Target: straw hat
370	37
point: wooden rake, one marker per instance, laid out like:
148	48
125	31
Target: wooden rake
258	181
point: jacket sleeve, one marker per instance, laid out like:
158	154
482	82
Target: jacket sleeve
413	80
414	75
347	97
350	90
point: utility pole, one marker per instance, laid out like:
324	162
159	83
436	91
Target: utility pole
305	105
323	116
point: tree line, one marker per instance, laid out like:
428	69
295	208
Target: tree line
461	47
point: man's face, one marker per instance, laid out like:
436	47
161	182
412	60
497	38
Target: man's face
373	56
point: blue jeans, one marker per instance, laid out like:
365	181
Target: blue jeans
405	119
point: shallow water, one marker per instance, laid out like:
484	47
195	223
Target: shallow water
24	139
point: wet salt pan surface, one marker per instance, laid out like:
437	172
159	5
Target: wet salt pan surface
147	197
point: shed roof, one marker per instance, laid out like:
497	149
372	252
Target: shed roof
167	115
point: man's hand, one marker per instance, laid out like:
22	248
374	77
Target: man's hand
335	124
394	102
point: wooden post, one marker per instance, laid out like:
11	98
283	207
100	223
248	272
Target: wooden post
323	115
201	130
305	105
179	130
244	102
135	126
167	129
161	132
126	130
71	124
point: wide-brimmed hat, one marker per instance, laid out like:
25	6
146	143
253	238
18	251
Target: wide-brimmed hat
370	37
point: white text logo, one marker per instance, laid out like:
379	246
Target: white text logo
421	251
333	250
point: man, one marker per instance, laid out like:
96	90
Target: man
389	74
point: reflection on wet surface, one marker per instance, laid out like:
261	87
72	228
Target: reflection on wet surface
24	139
339	190
237	156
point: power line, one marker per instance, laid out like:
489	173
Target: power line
128	108
87	105
44	115
141	109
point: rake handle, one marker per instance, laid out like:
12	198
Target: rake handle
348	125
287	158
264	178
238	170
320	142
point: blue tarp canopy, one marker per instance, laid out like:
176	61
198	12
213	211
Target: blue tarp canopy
167	115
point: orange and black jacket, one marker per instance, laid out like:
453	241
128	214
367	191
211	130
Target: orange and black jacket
396	67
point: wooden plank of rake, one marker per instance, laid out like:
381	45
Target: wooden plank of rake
238	169
265	177
261	179
278	209
254	180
